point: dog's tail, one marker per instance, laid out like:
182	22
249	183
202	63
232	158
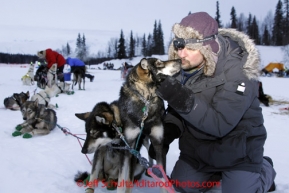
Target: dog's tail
81	176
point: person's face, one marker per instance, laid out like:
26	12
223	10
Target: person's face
190	58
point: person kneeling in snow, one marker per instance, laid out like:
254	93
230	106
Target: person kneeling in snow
214	109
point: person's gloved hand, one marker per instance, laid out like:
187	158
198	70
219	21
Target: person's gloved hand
177	95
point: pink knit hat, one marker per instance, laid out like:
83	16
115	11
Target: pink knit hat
203	26
200	26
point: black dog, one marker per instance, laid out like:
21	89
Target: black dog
263	98
141	109
41	76
78	76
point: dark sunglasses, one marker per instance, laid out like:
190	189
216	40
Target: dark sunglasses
180	43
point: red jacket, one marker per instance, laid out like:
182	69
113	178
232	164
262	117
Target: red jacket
53	57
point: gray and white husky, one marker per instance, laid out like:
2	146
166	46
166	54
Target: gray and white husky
38	120
28	78
16	100
100	139
45	95
52	76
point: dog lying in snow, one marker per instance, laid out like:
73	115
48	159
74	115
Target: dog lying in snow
38	120
16	100
45	95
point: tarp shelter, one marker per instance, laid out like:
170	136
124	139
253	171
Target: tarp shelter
271	66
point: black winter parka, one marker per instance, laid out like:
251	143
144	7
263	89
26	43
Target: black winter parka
224	129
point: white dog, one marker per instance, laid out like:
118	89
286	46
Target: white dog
28	78
52	76
45	95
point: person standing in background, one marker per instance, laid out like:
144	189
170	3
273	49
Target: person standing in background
75	63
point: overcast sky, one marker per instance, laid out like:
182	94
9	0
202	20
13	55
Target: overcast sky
136	15
111	15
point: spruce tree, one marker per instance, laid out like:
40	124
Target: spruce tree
277	34
121	51
249	24
131	46
160	42
233	18
266	39
218	16
155	39
241	24
78	42
286	23
255	31
81	48
144	46
84	48
68	49
149	45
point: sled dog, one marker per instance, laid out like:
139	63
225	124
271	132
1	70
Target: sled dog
52	75
138	103
45	95
78	77
28	78
41	76
16	100
38	120
100	139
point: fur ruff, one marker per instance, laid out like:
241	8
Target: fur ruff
250	68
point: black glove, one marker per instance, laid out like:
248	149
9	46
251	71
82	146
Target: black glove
177	95
160	78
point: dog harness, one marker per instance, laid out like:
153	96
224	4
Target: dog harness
47	96
27	76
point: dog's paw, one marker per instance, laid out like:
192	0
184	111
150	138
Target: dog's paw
16	133
27	136
70	92
89	190
18	127
111	184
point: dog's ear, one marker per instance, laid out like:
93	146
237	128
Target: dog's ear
102	120
108	117
116	113
144	63
82	116
28	94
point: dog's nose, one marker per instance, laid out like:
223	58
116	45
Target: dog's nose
84	150
24	118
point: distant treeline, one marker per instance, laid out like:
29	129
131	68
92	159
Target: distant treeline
27	59
92	61
17	58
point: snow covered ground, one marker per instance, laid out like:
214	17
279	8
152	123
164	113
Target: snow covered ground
48	163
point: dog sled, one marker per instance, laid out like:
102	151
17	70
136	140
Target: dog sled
125	69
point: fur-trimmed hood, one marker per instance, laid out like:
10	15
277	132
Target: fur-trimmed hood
251	66
41	54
